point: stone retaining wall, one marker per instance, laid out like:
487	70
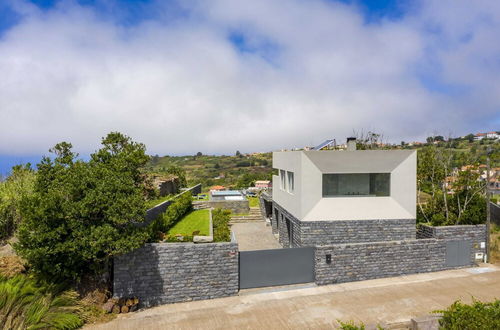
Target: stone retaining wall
161	273
476	234
364	261
237	207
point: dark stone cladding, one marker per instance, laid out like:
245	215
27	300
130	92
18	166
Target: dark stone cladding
161	273
476	234
364	261
316	233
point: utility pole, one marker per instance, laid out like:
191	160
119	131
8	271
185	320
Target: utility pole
488	197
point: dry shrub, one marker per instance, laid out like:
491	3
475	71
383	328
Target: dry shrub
11	266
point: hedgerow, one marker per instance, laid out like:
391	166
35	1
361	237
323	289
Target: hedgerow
220	221
477	315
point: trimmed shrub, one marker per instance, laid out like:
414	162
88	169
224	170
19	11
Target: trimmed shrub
175	211
220	221
477	315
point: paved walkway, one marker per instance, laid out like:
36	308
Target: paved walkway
386	301
254	236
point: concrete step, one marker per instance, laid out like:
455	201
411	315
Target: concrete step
246	219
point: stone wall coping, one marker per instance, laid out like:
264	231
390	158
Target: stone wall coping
453	226
353	220
168	244
174	197
344	245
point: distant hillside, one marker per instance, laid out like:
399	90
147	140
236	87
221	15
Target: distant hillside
230	171
240	171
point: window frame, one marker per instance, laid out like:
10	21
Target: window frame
370	180
290	183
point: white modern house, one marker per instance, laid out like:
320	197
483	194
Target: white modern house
344	196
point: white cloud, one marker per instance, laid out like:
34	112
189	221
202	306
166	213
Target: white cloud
317	71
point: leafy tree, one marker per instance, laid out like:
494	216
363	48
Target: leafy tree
454	200
435	138
469	137
179	172
155	159
238	154
83	213
198	154
17	186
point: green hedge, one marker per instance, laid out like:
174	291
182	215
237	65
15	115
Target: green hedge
477	315
180	207
220	221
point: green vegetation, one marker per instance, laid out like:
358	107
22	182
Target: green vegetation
153	202
26	304
220	222
12	191
253	201
175	212
81	214
230	171
194	221
449	202
350	325
477	315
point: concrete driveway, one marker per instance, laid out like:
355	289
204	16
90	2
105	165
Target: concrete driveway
254	236
390	301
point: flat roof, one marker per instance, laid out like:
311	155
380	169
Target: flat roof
226	193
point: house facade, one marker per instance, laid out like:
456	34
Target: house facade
336	197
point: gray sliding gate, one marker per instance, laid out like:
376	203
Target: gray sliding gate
276	267
458	253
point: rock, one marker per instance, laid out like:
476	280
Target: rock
124	309
202	239
133	308
129	302
108	306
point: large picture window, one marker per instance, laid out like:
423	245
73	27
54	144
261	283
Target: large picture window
357	184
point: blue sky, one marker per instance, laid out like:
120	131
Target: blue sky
223	75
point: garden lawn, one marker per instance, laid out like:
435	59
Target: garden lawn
193	221
253	201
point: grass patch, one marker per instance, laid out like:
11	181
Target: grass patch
253	201
152	203
197	220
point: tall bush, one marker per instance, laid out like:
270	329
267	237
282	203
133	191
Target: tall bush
83	213
17	186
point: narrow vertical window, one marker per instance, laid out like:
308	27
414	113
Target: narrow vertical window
282	179
291	183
